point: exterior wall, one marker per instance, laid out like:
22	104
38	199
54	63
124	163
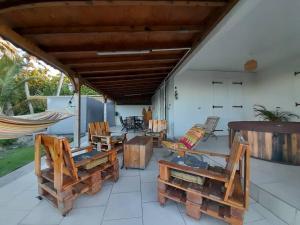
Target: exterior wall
111	113
129	110
272	87
91	110
277	87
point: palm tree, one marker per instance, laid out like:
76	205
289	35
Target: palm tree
11	65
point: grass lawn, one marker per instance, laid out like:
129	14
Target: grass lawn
15	159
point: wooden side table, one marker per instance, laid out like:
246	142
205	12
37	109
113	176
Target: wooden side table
138	152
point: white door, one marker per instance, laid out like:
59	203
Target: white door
220	106
236	100
296	83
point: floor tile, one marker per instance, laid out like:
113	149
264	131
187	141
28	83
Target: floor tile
24	201
99	199
127	184
268	215
149	191
88	216
133	221
44	213
204	220
11	217
252	215
123	206
129	172
153	213
148	175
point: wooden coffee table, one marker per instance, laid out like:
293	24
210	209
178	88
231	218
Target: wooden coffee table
137	152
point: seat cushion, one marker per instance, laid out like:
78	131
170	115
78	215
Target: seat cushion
191	137
172	145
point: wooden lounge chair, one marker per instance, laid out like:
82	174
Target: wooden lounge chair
224	193
187	142
67	177
210	127
100	136
157	129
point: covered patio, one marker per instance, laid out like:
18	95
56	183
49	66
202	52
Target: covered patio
187	60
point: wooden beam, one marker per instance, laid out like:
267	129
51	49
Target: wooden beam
129	76
126	80
135	84
128	70
106	29
99	63
7	33
84	68
8	5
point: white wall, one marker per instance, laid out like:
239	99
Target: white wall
277	86
197	95
129	110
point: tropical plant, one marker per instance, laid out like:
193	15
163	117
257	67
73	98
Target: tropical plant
10	69
273	115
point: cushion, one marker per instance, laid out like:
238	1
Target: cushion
191	137
172	145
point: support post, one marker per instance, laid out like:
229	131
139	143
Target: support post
77	98
105	109
60	83
27	96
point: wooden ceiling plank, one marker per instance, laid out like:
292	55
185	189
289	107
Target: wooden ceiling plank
128	70
9	5
128	77
31	31
126	80
115	63
7	33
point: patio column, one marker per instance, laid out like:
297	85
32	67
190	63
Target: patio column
77	109
105	109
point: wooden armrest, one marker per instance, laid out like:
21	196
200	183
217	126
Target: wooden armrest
100	136
196	171
87	149
203	152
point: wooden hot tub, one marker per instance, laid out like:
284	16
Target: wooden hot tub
273	141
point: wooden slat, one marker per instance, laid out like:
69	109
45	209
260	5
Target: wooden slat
127	77
107	29
145	69
22	4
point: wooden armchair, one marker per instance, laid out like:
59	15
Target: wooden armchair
157	129
225	191
67	177
100	136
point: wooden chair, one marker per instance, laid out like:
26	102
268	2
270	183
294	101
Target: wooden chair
157	129
100	136
210	127
67	177
225	192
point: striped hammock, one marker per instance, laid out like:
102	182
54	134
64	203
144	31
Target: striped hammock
18	126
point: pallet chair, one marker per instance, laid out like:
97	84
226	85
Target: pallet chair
157	129
101	136
66	177
223	193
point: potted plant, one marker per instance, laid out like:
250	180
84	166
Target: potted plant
275	115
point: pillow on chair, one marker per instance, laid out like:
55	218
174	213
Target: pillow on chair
191	137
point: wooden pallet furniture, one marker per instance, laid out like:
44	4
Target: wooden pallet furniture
66	177
224	193
138	152
103	139
157	129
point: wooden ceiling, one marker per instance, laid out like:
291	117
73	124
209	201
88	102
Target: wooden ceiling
123	49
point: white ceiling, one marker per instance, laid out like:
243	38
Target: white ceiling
266	30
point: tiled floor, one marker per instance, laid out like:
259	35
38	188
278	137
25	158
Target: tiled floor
130	201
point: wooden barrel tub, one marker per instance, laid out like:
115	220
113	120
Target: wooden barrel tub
272	141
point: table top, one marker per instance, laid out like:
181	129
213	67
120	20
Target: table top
139	140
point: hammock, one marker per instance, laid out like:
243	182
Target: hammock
17	126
